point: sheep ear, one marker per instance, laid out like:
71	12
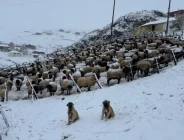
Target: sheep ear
67	104
108	102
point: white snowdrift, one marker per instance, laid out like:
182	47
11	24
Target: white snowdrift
146	109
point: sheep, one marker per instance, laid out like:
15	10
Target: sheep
119	54
97	70
18	84
86	82
115	74
87	69
49	65
2	94
59	65
46	74
143	66
21	76
42	84
128	47
54	72
115	66
2	80
29	89
33	78
66	85
67	73
77	74
52	88
125	63
141	46
110	52
31	71
70	66
151	53
4	73
152	46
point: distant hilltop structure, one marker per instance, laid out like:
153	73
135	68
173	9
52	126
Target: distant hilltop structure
159	27
176	13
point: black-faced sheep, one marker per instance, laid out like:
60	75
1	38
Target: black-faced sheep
29	89
52	88
54	72
43	84
66	85
18	84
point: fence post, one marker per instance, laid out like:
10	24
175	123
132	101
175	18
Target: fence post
5	94
34	92
157	65
75	83
175	61
97	80
131	70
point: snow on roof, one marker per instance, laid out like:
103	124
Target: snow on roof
4	45
14	52
158	21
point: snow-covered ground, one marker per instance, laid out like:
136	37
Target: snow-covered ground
148	108
6	60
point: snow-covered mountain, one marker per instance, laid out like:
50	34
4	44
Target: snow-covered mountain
124	26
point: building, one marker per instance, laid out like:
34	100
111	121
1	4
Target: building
157	27
5	47
14	53
38	52
176	13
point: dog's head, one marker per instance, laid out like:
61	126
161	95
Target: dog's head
106	103
70	105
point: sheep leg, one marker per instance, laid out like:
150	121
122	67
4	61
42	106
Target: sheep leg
119	80
141	73
89	88
108	80
2	99
68	91
62	91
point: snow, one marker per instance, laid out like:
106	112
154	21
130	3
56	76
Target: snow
7	60
159	21
4	45
145	109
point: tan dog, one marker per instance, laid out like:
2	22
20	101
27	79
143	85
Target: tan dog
107	110
72	113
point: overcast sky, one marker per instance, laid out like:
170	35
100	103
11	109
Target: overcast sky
73	14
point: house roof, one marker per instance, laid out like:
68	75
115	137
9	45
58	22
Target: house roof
158	21
4	45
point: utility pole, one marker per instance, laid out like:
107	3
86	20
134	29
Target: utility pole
168	18
113	18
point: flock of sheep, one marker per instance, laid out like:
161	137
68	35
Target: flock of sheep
124	58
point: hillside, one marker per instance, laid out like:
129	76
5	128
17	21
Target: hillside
146	109
124	26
